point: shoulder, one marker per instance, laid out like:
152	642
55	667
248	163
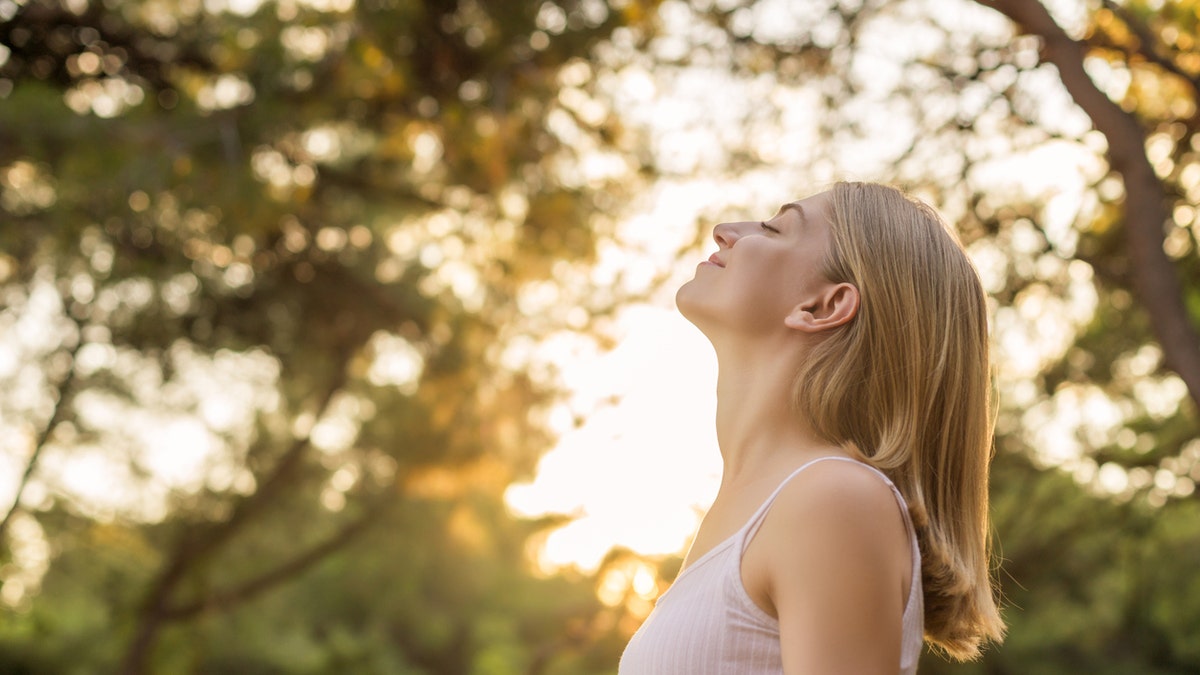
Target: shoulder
836	522
832	560
836	490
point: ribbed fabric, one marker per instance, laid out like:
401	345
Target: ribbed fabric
706	623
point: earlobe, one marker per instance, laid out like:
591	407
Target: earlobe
834	307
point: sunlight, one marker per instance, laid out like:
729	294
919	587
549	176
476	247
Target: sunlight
637	474
21	577
125	456
396	362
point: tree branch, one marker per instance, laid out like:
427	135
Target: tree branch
269	488
228	598
191	549
65	388
1145	211
1146	48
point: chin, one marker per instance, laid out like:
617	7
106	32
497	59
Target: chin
684	299
691	307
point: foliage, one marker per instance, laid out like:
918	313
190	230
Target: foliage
262	269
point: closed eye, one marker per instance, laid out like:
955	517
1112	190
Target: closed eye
765	226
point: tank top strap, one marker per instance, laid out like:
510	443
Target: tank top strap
756	521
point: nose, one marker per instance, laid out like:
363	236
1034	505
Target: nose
725	234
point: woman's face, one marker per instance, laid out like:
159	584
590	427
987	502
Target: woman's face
762	271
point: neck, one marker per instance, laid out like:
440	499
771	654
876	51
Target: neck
759	432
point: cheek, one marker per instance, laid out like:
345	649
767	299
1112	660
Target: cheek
759	289
747	301
803	274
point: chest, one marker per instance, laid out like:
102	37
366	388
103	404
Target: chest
726	528
705	625
724	519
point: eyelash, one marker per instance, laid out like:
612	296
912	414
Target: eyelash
765	226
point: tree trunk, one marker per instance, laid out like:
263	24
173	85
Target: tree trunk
1146	208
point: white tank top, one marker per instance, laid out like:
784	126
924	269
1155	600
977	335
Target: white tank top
706	623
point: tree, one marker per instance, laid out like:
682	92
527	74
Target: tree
1151	271
265	272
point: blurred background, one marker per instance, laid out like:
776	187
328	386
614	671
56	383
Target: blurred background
336	336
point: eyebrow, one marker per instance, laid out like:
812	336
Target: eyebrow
798	208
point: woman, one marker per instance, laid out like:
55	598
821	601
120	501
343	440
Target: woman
855	429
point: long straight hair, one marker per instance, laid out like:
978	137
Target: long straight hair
906	385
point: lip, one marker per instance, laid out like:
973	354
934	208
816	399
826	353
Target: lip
714	260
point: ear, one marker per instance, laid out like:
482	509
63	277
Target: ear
834	306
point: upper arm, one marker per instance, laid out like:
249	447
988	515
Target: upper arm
834	554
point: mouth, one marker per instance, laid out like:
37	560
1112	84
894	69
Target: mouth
714	260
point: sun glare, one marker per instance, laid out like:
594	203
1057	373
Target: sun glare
638	473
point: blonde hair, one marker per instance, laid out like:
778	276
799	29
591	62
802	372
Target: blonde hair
906	385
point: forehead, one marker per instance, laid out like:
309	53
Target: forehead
808	211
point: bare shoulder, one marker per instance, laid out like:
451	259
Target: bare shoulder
837	491
831	563
835	521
